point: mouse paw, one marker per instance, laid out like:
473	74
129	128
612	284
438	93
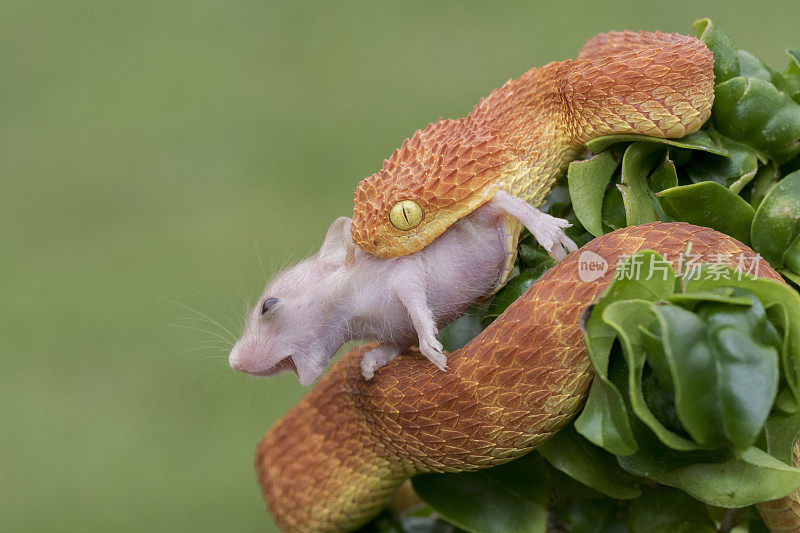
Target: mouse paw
546	229
549	232
378	357
434	351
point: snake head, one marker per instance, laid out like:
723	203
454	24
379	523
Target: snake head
438	176
296	324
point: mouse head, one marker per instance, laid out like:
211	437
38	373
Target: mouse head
297	322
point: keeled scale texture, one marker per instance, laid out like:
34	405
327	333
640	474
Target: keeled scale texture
522	136
332	461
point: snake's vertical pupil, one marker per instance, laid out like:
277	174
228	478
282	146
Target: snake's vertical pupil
405	215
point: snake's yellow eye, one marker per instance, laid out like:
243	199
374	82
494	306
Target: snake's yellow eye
405	215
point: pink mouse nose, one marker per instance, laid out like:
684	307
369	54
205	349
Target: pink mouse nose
235	359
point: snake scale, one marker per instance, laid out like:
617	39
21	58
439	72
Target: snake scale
331	463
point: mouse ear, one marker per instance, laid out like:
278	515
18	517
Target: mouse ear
338	240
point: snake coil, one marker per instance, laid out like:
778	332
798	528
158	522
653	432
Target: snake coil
334	459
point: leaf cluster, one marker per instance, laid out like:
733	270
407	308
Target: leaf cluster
694	410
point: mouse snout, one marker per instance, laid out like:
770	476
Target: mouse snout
252	360
244	358
235	359
236	364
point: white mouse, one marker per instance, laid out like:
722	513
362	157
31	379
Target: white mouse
308	311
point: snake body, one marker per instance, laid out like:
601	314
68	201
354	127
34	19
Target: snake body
334	459
521	137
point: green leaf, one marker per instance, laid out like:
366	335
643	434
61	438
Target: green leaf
566	489
777	221
664	176
783	304
733	172
588	180
791	75
755	477
533	257
644	275
724	367
592	466
516	287
749	346
766	177
755	112
667	510
752	67
791	257
726	59
709	204
718	294
713	477
699	140
781	431
459	332
661	401
639	160
791	276
785	153
604	420
510	498
592	516
613	209
629	318
794	65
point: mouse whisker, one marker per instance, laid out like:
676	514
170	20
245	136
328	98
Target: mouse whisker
229	336
219	349
214	303
204	316
213	333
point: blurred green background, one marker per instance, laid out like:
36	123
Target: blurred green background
152	154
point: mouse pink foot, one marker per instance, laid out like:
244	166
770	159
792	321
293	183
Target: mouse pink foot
379	357
434	351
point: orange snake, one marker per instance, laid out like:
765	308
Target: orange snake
334	459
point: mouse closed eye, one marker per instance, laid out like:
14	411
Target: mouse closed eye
268	304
